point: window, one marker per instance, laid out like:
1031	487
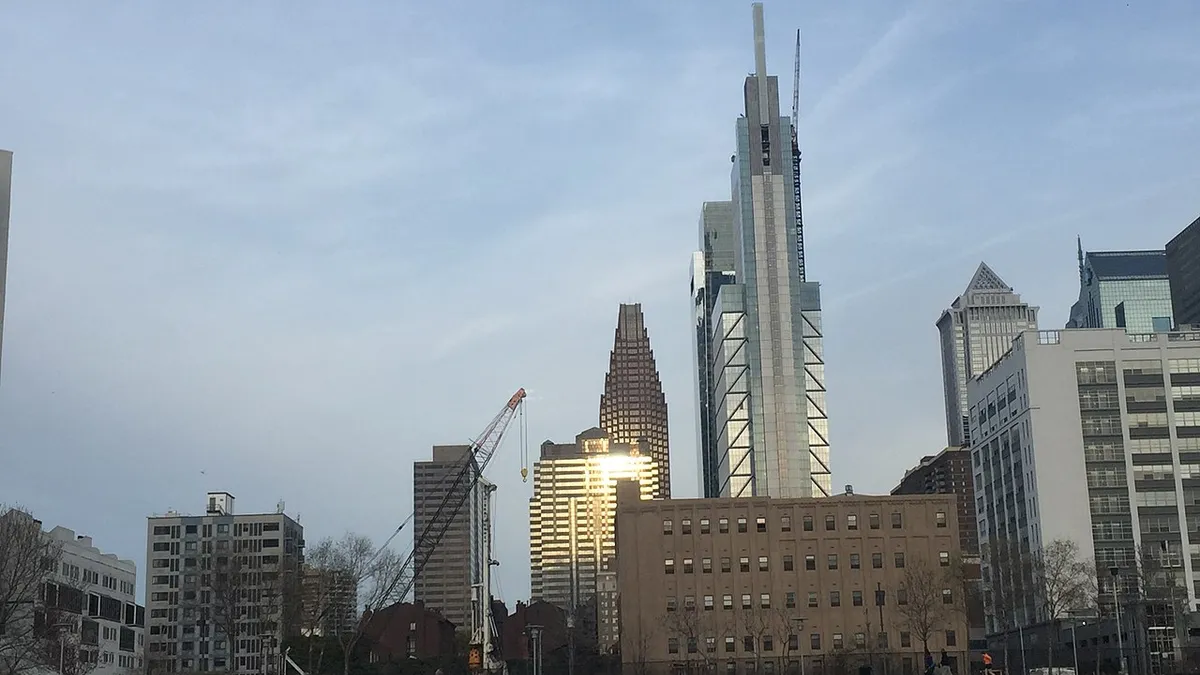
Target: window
760	523
810	562
940	517
764	564
222	528
730	647
672	645
808	523
744	564
855	562
860	640
832	560
691	645
901	596
788	564
814	641
812	599
746	604
686	525
764	600
710	644
786	523
905	639
830	523
793	642
951	639
768	644
947	596
944	558
856	598
873	519
897	520
835	598
723	526
708	603
704	527
668	527
706	565
877	560
669	566
790	600
852	522
689	602
741	524
688	567
838	641
726	564
726	601
748	643
899	559
672	604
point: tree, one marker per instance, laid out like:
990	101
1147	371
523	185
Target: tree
1061	583
928	608
787	623
32	635
1008	582
230	593
687	626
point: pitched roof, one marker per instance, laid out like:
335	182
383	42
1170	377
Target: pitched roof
986	280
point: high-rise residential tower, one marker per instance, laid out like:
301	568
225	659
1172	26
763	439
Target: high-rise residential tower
1123	289
633	408
5	199
760	364
456	564
571	519
1183	272
976	330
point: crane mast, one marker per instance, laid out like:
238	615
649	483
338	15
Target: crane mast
796	162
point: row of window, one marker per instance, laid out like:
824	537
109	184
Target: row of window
810	562
239	529
792	644
708	602
785	522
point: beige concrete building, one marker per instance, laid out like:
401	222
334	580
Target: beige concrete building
756	585
571	518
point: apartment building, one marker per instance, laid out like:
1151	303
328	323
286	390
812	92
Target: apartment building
1094	436
220	587
758	585
947	473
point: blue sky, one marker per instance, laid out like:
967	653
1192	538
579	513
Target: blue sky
283	249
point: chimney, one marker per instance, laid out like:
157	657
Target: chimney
849	489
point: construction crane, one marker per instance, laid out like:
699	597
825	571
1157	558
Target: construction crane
796	161
458	486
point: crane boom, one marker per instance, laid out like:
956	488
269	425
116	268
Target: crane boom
462	482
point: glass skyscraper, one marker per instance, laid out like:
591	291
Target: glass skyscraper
976	330
1123	289
760	365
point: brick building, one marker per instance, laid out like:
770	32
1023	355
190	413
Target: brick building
947	473
408	630
756	585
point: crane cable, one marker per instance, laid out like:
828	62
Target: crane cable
524	429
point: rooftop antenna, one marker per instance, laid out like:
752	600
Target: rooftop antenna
760	63
1079	254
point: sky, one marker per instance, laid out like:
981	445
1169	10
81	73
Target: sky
283	249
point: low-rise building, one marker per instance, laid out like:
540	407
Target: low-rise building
408	630
759	585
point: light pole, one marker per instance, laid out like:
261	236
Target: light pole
62	644
1116	579
535	639
799	621
880	597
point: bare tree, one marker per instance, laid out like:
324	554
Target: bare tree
30	632
1008	581
230	589
931	601
639	655
1061	581
687	626
758	624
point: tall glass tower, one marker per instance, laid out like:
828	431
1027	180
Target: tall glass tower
760	365
1123	289
976	330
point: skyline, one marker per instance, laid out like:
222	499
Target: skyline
282	312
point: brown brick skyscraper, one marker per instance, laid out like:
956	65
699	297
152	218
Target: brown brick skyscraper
633	406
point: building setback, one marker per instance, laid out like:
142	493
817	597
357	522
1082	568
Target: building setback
1091	436
976	330
765	414
633	408
1183	274
756	585
571	520
947	473
455	565
218	587
1123	289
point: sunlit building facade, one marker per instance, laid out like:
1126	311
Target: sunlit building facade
571	519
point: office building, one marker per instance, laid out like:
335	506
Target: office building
760	585
764	428
633	408
571	516
1183	274
1091	436
455	565
88	596
330	602
1123	289
219	587
947	473
976	330
5	201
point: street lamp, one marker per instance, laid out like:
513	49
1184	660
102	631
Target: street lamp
1116	577
799	621
62	645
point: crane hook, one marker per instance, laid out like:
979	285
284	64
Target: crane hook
524	475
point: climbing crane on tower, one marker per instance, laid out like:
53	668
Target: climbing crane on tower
459	484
